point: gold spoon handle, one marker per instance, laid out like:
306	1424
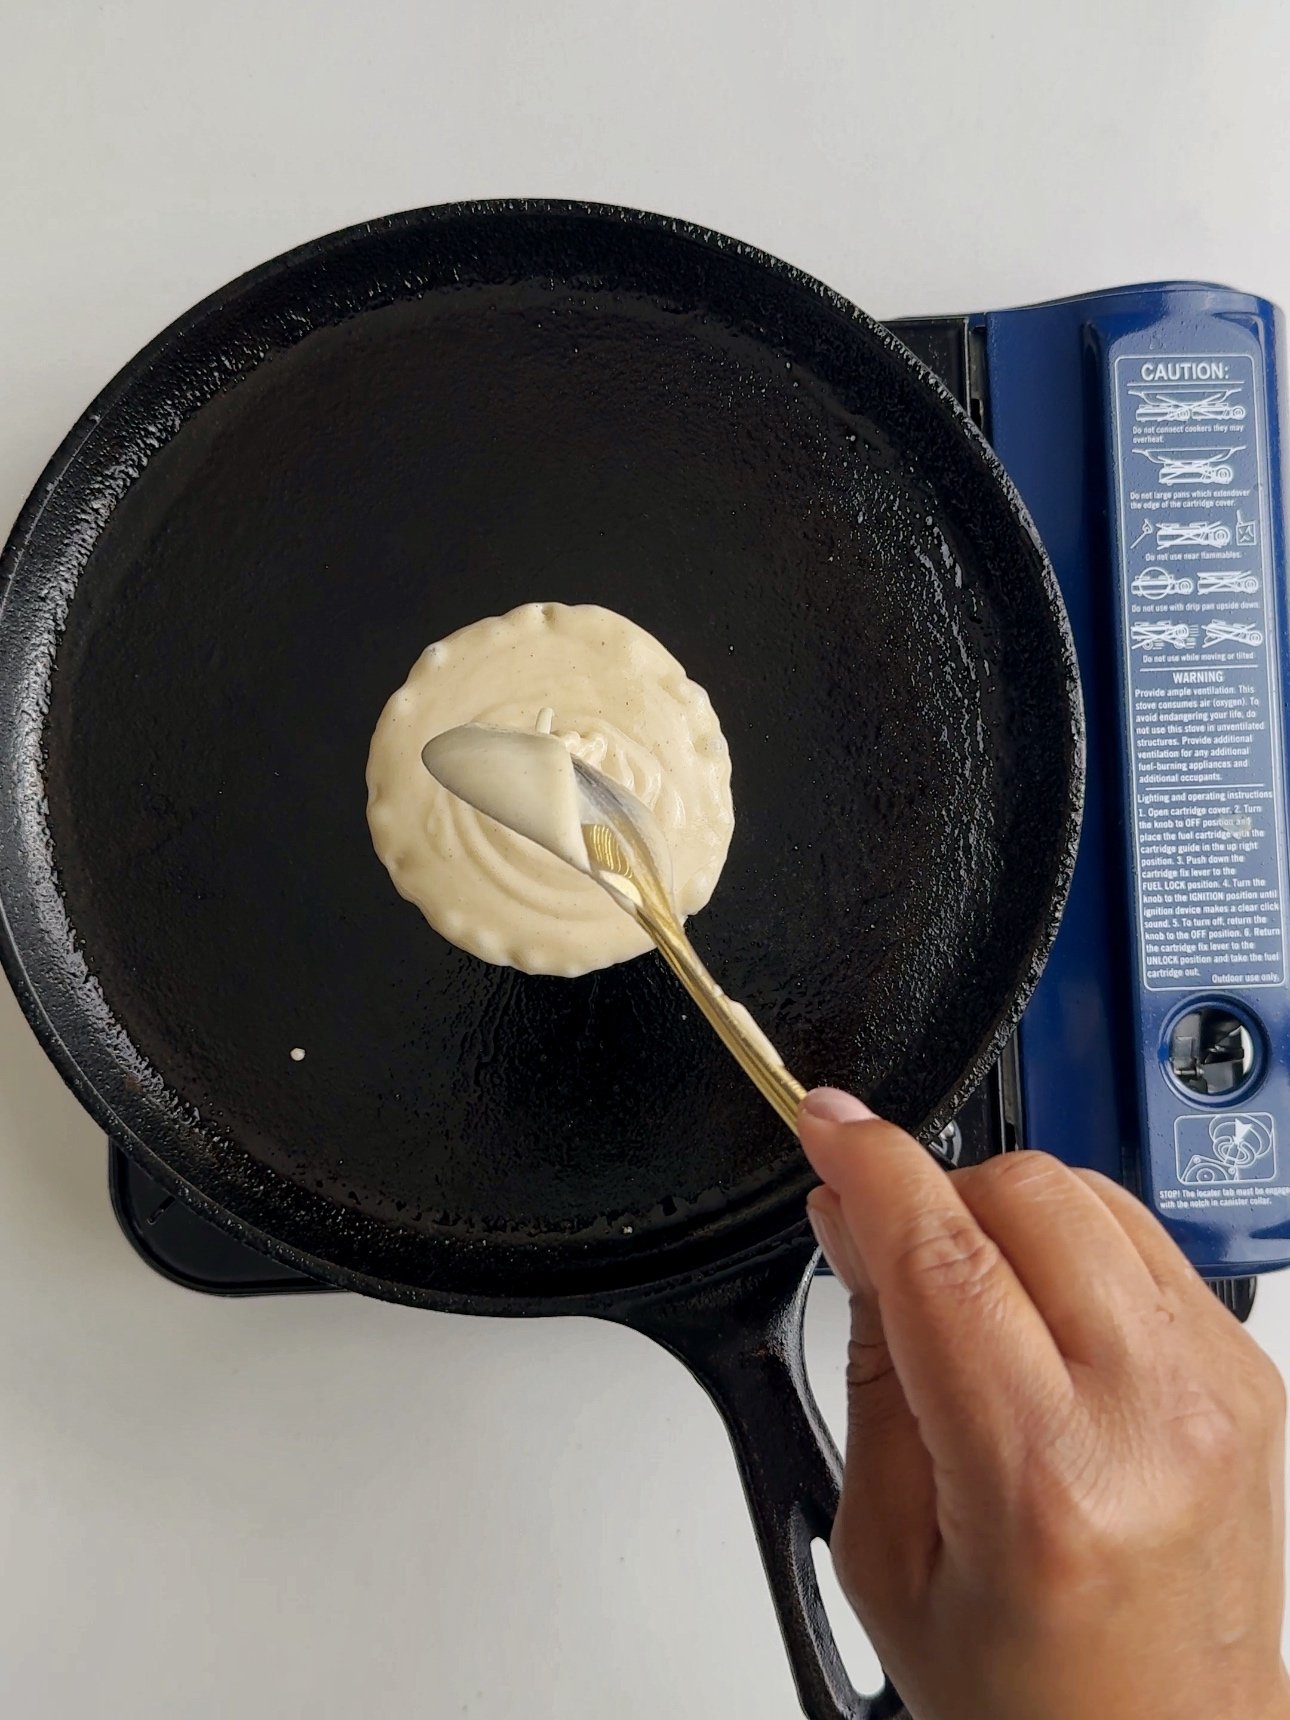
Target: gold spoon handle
766	1073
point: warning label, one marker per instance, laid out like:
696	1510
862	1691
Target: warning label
1199	672
1223	1162
1235	1147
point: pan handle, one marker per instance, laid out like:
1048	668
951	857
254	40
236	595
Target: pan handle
741	1337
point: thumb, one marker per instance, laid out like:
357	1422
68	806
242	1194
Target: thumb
884	1537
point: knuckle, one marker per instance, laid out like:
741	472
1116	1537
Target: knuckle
1098	1181
1090	1496
947	1251
1029	1172
1270	1389
1261	1395
1238	1398
1204	1431
868	1360
874	1396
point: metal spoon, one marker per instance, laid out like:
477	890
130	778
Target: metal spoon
629	858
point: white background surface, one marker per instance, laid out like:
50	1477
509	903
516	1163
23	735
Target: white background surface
334	1508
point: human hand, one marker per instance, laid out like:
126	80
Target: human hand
1063	1496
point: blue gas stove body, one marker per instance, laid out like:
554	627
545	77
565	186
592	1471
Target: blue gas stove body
1142	428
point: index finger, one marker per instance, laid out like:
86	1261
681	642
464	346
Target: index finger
980	1368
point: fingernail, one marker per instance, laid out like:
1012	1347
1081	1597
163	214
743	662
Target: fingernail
832	1105
836	1246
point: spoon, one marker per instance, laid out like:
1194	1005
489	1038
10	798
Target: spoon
533	784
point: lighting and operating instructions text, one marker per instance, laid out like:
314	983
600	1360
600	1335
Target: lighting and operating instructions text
1200	671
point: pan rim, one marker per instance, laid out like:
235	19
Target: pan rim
15	863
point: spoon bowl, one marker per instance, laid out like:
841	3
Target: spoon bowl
586	820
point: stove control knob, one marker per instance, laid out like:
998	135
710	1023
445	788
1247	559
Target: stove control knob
1211	1051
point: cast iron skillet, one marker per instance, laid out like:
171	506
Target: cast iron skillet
236	556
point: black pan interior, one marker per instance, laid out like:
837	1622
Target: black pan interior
395	432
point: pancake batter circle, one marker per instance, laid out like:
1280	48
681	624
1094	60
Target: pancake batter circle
623	704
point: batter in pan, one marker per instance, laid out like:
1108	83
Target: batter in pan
618	700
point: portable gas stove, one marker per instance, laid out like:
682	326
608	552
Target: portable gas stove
1141	427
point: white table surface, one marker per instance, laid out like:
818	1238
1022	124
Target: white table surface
329	1507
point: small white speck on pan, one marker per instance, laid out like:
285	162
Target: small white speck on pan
297	1054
